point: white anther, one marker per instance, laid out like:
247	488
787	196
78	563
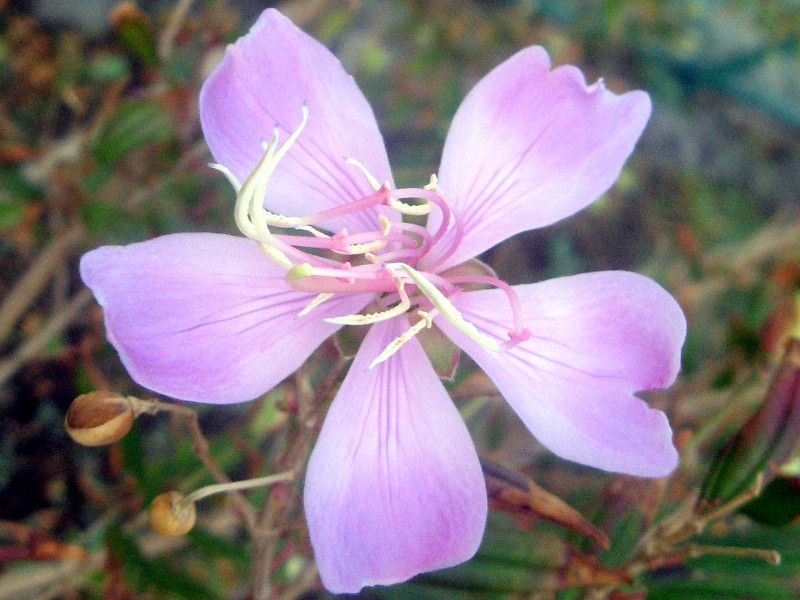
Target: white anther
445	307
232	179
424	323
415	210
371	179
377	317
386	225
433	184
319	299
353	249
251	217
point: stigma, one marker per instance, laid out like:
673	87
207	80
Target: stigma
382	262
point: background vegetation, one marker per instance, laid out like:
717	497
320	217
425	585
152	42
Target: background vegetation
100	143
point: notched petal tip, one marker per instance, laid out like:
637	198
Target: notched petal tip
597	339
530	146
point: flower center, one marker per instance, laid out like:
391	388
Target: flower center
382	261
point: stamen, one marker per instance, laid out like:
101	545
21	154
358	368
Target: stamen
232	179
433	194
386	225
415	210
513	299
251	217
319	299
377	317
371	179
305	277
401	340
447	308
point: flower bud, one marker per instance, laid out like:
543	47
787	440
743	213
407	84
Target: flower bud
172	514
99	418
765	442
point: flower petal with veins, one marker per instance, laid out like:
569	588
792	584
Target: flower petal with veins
394	486
205	317
264	79
529	146
596	339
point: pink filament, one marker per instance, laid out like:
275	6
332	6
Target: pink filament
379	198
434	197
513	299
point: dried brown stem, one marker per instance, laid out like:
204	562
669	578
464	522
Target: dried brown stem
35	279
176	19
55	325
201	449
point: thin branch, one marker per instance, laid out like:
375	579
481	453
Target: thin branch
35	279
170	32
202	450
54	326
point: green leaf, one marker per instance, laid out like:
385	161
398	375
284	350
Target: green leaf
624	538
111	223
778	504
145	573
135	124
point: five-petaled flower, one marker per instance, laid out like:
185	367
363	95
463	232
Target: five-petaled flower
394	486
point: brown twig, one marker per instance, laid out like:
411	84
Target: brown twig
202	450
274	511
55	325
35	279
176	19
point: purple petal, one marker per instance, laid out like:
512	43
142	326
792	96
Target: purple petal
596	339
205	317
394	486
264	79
530	146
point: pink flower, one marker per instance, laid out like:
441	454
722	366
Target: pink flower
394	486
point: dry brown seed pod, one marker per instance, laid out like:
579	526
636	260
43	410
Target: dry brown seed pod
172	514
99	418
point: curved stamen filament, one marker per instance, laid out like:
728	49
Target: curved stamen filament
424	323
513	299
414	229
318	299
446	307
371	179
432	194
377	317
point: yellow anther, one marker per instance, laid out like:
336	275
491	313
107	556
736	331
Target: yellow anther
251	217
445	307
319	299
372	258
312	230
377	317
363	248
371	179
386	225
424	323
